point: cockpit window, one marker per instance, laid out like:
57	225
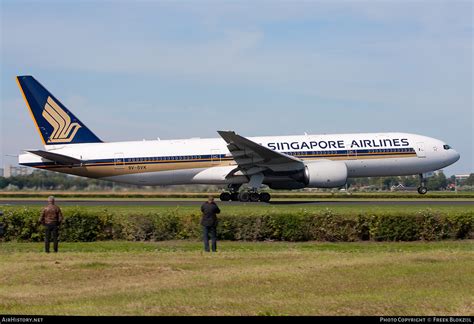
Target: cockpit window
446	146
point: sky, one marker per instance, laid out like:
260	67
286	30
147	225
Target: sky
133	70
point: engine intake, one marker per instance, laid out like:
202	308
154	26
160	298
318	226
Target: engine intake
325	174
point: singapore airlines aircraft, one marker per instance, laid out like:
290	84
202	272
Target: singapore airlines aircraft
281	162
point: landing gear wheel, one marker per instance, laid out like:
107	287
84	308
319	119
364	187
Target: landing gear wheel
254	197
225	196
422	190
234	196
265	197
244	196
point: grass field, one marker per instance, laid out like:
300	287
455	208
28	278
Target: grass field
265	278
252	209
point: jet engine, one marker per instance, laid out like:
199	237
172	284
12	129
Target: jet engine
325	174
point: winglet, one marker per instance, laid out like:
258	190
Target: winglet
227	135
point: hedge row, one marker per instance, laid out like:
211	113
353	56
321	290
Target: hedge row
326	225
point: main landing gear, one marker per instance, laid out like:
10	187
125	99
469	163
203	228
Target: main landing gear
246	196
229	196
233	193
422	189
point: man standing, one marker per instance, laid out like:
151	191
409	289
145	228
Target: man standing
209	223
51	218
2	225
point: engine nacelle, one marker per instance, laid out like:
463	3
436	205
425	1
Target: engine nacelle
325	174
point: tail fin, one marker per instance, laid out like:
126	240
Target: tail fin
55	123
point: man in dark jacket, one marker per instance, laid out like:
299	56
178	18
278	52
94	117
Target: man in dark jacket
2	225
209	223
51	218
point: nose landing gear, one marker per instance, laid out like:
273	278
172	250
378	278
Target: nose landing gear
422	188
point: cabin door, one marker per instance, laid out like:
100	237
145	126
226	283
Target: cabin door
215	156
420	150
352	154
119	161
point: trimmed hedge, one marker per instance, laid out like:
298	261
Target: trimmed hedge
325	225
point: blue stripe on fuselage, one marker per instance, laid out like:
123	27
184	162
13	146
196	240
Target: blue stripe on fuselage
220	157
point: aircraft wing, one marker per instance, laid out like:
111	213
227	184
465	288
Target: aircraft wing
55	157
253	158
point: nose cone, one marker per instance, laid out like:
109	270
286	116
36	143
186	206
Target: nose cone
454	156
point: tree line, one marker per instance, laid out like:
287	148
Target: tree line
43	180
438	181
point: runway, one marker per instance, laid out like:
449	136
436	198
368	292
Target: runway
125	202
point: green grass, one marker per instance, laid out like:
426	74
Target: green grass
263	278
252	209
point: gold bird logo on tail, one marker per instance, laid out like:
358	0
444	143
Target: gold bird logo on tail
63	129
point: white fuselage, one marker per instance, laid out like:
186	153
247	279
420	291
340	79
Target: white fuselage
208	161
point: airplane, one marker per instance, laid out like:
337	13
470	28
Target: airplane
280	162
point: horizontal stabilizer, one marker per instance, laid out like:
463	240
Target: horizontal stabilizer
55	157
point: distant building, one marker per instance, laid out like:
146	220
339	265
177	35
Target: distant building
6	172
13	171
460	178
1	172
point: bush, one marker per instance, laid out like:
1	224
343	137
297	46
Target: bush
325	225
81	227
23	225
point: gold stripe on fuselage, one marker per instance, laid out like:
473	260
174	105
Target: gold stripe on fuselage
100	171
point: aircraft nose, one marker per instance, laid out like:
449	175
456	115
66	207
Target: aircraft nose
455	156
